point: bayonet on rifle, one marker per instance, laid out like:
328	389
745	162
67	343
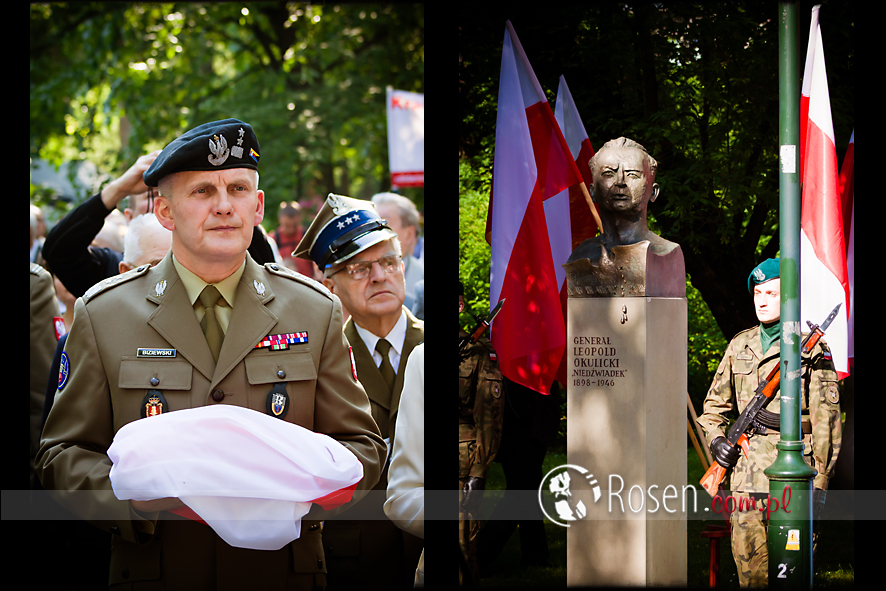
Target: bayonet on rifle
468	340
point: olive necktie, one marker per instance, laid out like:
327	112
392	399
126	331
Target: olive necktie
387	370
211	328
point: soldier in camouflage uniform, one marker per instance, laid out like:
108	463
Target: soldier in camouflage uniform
749	358
480	412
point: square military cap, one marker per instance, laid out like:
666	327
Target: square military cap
217	145
344	226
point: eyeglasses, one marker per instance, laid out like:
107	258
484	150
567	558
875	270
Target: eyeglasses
360	269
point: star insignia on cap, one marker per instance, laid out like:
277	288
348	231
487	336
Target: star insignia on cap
340	226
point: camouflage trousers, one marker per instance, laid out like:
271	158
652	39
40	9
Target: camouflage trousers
750	544
750	541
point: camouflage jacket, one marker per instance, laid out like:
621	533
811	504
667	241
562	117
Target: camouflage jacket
480	409
744	365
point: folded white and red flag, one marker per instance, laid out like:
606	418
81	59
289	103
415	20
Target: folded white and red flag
248	475
823	278
532	164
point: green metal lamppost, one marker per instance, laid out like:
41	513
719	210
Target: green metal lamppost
790	478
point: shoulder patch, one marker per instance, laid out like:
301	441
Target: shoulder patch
106	284
282	271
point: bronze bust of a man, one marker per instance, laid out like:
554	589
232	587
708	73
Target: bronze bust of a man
627	259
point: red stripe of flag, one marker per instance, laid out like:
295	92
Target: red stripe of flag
532	163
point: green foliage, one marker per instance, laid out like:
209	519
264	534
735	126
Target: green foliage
705	346
473	251
112	81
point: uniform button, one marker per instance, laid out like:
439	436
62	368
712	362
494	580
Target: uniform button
155	381
281	374
218	395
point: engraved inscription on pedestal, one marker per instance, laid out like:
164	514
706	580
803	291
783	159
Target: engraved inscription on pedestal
595	362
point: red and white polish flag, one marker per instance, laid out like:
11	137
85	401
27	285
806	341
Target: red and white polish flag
823	278
570	221
532	164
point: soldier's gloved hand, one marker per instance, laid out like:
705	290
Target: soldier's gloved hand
472	490
724	452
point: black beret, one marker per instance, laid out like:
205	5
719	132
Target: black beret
212	146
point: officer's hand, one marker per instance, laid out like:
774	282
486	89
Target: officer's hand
131	183
724	452
155	505
472	490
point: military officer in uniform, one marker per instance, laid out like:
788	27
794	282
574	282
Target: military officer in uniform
206	326
749	358
362	263
480	414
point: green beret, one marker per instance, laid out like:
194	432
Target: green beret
765	271
217	145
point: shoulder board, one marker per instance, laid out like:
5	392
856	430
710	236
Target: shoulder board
282	271
106	284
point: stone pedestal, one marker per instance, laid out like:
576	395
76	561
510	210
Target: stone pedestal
626	413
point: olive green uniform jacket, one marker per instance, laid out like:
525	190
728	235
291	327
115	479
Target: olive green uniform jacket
107	388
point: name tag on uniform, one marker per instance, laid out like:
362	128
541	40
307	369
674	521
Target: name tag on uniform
140	352
745	357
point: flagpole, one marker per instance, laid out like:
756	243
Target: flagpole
790	478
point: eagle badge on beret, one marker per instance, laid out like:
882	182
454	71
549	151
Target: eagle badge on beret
219	149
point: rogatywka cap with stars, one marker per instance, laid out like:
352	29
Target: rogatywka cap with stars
344	226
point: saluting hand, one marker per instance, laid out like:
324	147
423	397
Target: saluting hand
131	183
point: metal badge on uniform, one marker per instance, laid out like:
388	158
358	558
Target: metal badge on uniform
154	404
160	288
259	287
219	149
237	151
278	400
281	342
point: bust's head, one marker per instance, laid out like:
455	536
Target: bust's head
624	178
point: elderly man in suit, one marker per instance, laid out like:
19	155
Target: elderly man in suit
361	260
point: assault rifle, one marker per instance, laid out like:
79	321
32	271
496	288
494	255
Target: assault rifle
754	417
482	324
